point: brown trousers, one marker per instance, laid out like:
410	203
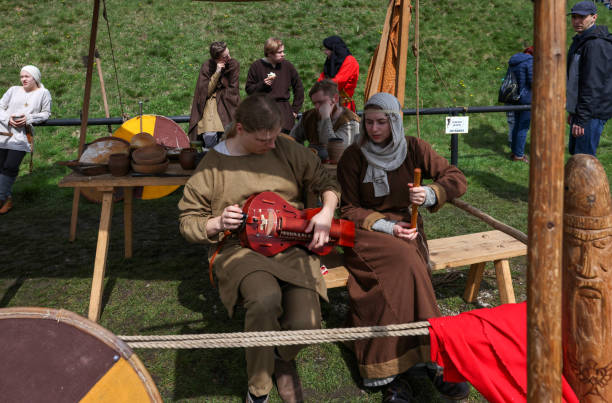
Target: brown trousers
271	305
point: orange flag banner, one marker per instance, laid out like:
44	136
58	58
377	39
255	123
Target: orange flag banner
387	72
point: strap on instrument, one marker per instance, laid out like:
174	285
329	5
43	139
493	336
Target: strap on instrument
212	258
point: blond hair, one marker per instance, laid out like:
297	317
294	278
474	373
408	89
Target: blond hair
272	45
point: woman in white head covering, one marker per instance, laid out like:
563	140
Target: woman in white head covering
390	281
20	107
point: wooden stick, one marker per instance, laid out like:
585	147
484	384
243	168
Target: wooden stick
415	208
103	88
513	232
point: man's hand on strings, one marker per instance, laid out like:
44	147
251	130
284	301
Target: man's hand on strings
320	225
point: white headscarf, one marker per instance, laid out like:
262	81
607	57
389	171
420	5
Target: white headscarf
389	157
34	72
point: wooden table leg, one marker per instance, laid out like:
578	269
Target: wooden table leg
97	284
127	220
472	285
504	281
75	214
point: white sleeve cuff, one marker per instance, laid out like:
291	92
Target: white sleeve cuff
384	225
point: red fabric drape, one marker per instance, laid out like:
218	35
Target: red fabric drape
488	348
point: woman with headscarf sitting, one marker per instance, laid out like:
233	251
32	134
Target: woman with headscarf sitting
390	280
20	107
341	67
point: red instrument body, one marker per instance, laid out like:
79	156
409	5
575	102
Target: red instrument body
273	225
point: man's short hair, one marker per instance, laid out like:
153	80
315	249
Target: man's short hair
216	48
329	88
272	45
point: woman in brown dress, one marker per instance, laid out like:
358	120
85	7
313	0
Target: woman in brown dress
281	291
390	281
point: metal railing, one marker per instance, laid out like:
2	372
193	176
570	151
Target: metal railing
451	110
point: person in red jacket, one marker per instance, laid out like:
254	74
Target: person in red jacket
341	67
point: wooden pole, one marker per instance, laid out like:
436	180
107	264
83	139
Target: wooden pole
403	51
90	59
545	219
85	114
498	225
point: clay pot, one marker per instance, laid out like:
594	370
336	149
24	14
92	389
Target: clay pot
119	164
335	148
187	158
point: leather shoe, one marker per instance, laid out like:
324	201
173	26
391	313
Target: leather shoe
287	381
449	390
398	391
7	206
521	159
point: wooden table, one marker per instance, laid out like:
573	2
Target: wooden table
106	184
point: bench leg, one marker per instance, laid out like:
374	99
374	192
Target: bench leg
75	214
473	282
504	281
127	220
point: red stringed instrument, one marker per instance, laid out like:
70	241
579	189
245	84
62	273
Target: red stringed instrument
273	225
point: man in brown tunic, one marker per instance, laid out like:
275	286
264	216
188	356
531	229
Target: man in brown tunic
327	121
280	291
275	76
217	83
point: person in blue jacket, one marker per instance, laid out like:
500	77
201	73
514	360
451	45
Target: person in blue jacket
521	64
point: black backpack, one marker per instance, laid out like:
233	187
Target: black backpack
509	91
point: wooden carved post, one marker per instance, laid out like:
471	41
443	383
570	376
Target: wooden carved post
587	280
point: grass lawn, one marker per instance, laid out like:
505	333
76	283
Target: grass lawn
159	46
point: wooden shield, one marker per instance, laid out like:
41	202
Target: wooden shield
51	355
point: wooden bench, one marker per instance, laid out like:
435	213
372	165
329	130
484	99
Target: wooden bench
474	250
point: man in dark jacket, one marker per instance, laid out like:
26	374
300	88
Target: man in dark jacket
589	88
521	64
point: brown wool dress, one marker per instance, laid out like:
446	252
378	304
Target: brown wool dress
389	281
287	79
227	92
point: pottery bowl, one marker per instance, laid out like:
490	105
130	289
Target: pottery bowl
142	139
149	155
150	169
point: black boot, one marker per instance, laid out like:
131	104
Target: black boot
449	390
398	391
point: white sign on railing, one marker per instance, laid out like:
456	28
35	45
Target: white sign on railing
457	124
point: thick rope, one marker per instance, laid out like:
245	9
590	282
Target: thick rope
280	338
